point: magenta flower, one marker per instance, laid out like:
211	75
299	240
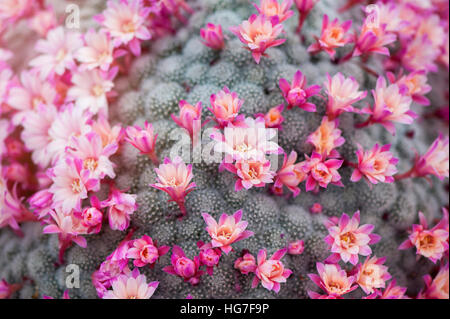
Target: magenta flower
393	291
212	36
333	280
174	178
297	94
435	161
225	107
131	286
145	251
229	230
334	35
436	288
296	247
304	7
271	272
259	33
245	264
342	93
190	119
316	208
91	217
289	175
347	239
430	243
143	139
209	257
375	165
120	207
372	274
321	172
271	8
326	138
6	289
184	267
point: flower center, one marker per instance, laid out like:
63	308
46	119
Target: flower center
427	241
128	27
348	238
36	101
76	186
90	164
60	55
224	232
97	90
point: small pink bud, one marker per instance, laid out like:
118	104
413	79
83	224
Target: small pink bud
296	247
316	208
245	264
213	36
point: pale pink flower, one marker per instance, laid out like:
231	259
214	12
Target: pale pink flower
227	231
184	267
12	10
372	274
145	251
43	21
271	272
390	105
225	107
143	139
435	161
414	84
342	93
333	280
89	148
304	7
6	83
259	33
32	93
433	28
375	165
296	247
98	51
71	183
108	134
271	8
174	178
90	90
289	175
209	257
437	288
131	286
297	94
56	52
251	173
419	54
120	207
125	21
245	264
347	239
321	172
334	35
373	37
430	243
390	15
326	138
190	119
12	211
212	36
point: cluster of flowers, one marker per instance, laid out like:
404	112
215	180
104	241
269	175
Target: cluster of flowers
56	141
348	239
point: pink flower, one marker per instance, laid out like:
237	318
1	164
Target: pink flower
145	251
271	8
334	35
92	217
143	139
245	264
376	165
420	54
297	94
290	175
6	75
120	207
333	280
229	230
251	173
342	93
414	84
71	183
430	243
174	178
12	10
43	21
436	159
326	138
437	288
125	21
6	290
132	286
108	134
372	274
98	51
271	272
304	7
190	119
209	257
316	208
56	52
184	267
393	291
212	36
259	33
273	118
390	106
347	239
225	107
321	172
296	247
373	37
90	90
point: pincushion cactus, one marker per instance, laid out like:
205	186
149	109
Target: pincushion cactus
191	67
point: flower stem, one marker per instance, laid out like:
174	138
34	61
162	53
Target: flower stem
405	175
363	124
